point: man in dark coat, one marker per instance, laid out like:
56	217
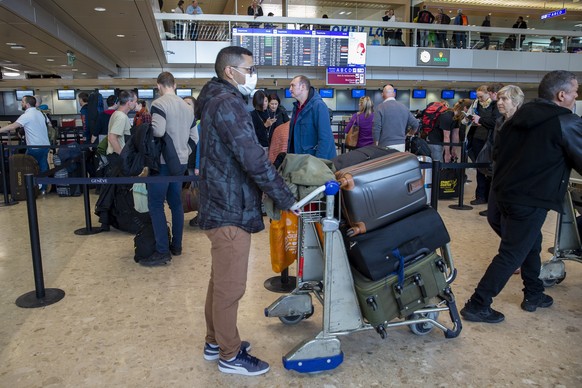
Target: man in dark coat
533	155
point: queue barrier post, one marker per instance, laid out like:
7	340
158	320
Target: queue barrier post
281	284
88	229
41	296
461	179
8	201
436	180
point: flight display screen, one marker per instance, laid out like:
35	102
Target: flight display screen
274	47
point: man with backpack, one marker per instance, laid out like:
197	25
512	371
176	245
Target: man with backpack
441	36
437	123
171	116
424	16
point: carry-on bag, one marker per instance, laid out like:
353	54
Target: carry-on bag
390	297
381	191
450	184
378	253
19	166
360	155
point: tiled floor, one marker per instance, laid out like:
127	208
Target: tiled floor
123	325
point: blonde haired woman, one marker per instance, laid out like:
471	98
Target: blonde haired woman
365	120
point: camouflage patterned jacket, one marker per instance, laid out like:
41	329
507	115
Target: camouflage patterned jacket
234	168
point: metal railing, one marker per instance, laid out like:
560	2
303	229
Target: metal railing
219	28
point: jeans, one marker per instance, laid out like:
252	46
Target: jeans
41	156
441	39
230	248
424	38
158	193
521	244
460	40
436	152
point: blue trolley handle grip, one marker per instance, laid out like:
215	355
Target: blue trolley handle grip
330	188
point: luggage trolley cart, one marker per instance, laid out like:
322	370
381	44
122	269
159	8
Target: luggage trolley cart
567	245
323	269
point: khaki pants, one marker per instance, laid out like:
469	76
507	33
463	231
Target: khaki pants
230	247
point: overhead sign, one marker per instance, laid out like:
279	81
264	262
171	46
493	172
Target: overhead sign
433	57
351	75
554	14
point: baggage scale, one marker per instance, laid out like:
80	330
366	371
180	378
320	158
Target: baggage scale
324	271
567	245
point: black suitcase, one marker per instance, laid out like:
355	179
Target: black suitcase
388	298
378	253
68	155
19	166
360	155
381	191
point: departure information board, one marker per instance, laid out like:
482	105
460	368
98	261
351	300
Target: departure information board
352	75
273	47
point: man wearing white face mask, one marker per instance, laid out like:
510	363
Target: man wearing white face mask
234	170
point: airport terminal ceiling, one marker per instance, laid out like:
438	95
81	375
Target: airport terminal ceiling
125	36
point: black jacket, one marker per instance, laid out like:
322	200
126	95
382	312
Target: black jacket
144	150
234	168
534	154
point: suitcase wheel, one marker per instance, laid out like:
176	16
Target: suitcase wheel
380	329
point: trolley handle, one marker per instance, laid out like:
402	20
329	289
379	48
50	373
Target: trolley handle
330	188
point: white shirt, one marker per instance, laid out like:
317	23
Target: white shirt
34	124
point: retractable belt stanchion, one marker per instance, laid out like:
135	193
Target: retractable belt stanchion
8	201
41	296
461	180
436	180
87	230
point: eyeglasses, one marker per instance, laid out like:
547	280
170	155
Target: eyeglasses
252	70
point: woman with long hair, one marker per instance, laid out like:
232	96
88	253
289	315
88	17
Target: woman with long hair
261	120
365	120
460	109
142	116
277	111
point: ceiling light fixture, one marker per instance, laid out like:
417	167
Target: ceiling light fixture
11	74
99	9
17	47
50	60
33	52
74	69
11	69
120	36
11	44
83	73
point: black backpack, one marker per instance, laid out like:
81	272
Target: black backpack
144	242
417	146
445	19
94	107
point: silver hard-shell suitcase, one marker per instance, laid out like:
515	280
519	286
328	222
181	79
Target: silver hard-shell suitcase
381	191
